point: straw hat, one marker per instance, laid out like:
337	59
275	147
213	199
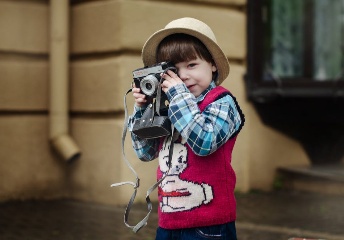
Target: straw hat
194	28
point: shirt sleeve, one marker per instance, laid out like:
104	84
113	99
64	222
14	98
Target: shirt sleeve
204	131
145	149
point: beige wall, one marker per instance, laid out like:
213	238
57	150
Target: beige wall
105	45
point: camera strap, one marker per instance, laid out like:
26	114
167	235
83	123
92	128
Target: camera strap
136	184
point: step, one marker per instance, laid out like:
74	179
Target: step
327	179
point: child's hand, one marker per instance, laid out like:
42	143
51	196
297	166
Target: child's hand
140	98
171	79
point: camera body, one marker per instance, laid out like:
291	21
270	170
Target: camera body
148	80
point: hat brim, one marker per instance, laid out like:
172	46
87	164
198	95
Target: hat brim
149	50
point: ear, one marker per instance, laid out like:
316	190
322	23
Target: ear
213	68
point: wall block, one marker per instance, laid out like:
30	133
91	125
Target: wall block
99	85
24	85
122	31
24	27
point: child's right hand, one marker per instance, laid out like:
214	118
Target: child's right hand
140	98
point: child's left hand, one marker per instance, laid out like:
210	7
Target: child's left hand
171	79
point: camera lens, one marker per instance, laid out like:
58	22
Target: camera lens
149	85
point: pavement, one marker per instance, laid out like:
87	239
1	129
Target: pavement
278	215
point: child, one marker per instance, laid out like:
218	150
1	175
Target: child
196	197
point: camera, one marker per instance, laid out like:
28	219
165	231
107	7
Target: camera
154	121
148	78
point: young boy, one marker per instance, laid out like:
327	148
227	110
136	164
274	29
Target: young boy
196	196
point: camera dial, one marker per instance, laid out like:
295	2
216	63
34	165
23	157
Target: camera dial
149	85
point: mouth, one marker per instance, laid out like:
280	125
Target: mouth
190	86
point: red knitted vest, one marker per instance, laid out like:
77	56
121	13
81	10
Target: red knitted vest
198	191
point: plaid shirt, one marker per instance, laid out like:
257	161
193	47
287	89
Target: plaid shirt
204	131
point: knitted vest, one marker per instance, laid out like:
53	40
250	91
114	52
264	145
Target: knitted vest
198	190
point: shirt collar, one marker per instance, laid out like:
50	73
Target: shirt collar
205	92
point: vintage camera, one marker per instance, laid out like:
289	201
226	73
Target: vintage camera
148	79
154	122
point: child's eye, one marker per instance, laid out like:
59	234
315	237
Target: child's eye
192	65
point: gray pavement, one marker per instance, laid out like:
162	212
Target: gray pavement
265	216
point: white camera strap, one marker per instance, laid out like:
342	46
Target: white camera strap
136	184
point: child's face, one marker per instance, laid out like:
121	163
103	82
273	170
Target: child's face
196	74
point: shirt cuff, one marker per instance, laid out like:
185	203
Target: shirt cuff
175	90
139	109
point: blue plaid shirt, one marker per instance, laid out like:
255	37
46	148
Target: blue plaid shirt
204	131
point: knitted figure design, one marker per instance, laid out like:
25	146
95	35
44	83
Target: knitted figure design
179	194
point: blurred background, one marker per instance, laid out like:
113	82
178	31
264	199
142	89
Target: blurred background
65	67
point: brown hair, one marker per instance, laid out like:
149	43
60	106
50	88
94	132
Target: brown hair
181	47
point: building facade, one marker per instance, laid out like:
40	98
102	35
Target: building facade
104	40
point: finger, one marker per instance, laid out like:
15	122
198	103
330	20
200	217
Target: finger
164	89
136	90
164	75
172	73
174	78
139	95
141	100
165	83
168	74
